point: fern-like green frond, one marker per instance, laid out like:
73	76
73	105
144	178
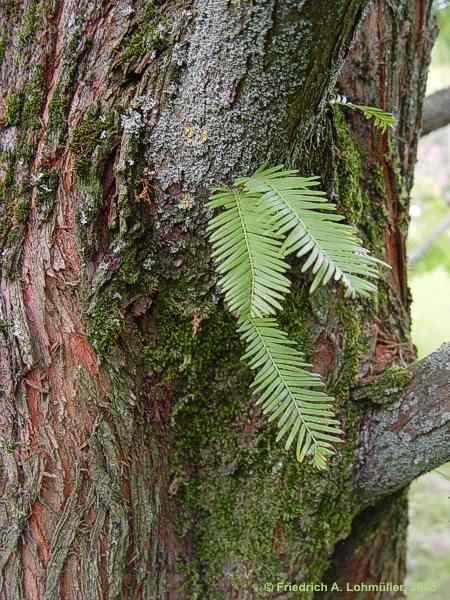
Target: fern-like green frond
331	248
304	416
381	119
248	254
265	217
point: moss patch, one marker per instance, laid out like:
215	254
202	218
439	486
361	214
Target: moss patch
358	196
22	108
57	110
29	24
153	34
13	109
105	322
33	100
386	388
94	134
3	46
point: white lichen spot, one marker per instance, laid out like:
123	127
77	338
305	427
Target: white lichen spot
277	467
36	181
126	11
132	122
17	331
145	103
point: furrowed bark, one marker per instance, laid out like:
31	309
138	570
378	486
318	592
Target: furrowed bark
134	464
409	437
116	120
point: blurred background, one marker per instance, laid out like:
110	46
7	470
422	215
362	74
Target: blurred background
429	280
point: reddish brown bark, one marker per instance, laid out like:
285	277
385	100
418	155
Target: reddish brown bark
134	463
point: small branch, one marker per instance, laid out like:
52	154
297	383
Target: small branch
418	252
402	440
436	111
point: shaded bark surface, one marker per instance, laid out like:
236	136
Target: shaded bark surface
134	464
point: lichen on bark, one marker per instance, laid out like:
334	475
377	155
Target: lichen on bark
144	469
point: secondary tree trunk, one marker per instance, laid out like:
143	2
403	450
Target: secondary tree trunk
134	464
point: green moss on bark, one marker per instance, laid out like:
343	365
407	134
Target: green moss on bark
29	24
359	196
13	109
245	480
57	111
94	134
3	46
23	107
152	35
105	322
386	388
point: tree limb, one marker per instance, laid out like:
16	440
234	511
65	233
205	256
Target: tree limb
436	111
402	440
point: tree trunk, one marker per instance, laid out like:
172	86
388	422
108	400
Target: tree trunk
134	463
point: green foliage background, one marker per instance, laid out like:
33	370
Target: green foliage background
442	48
